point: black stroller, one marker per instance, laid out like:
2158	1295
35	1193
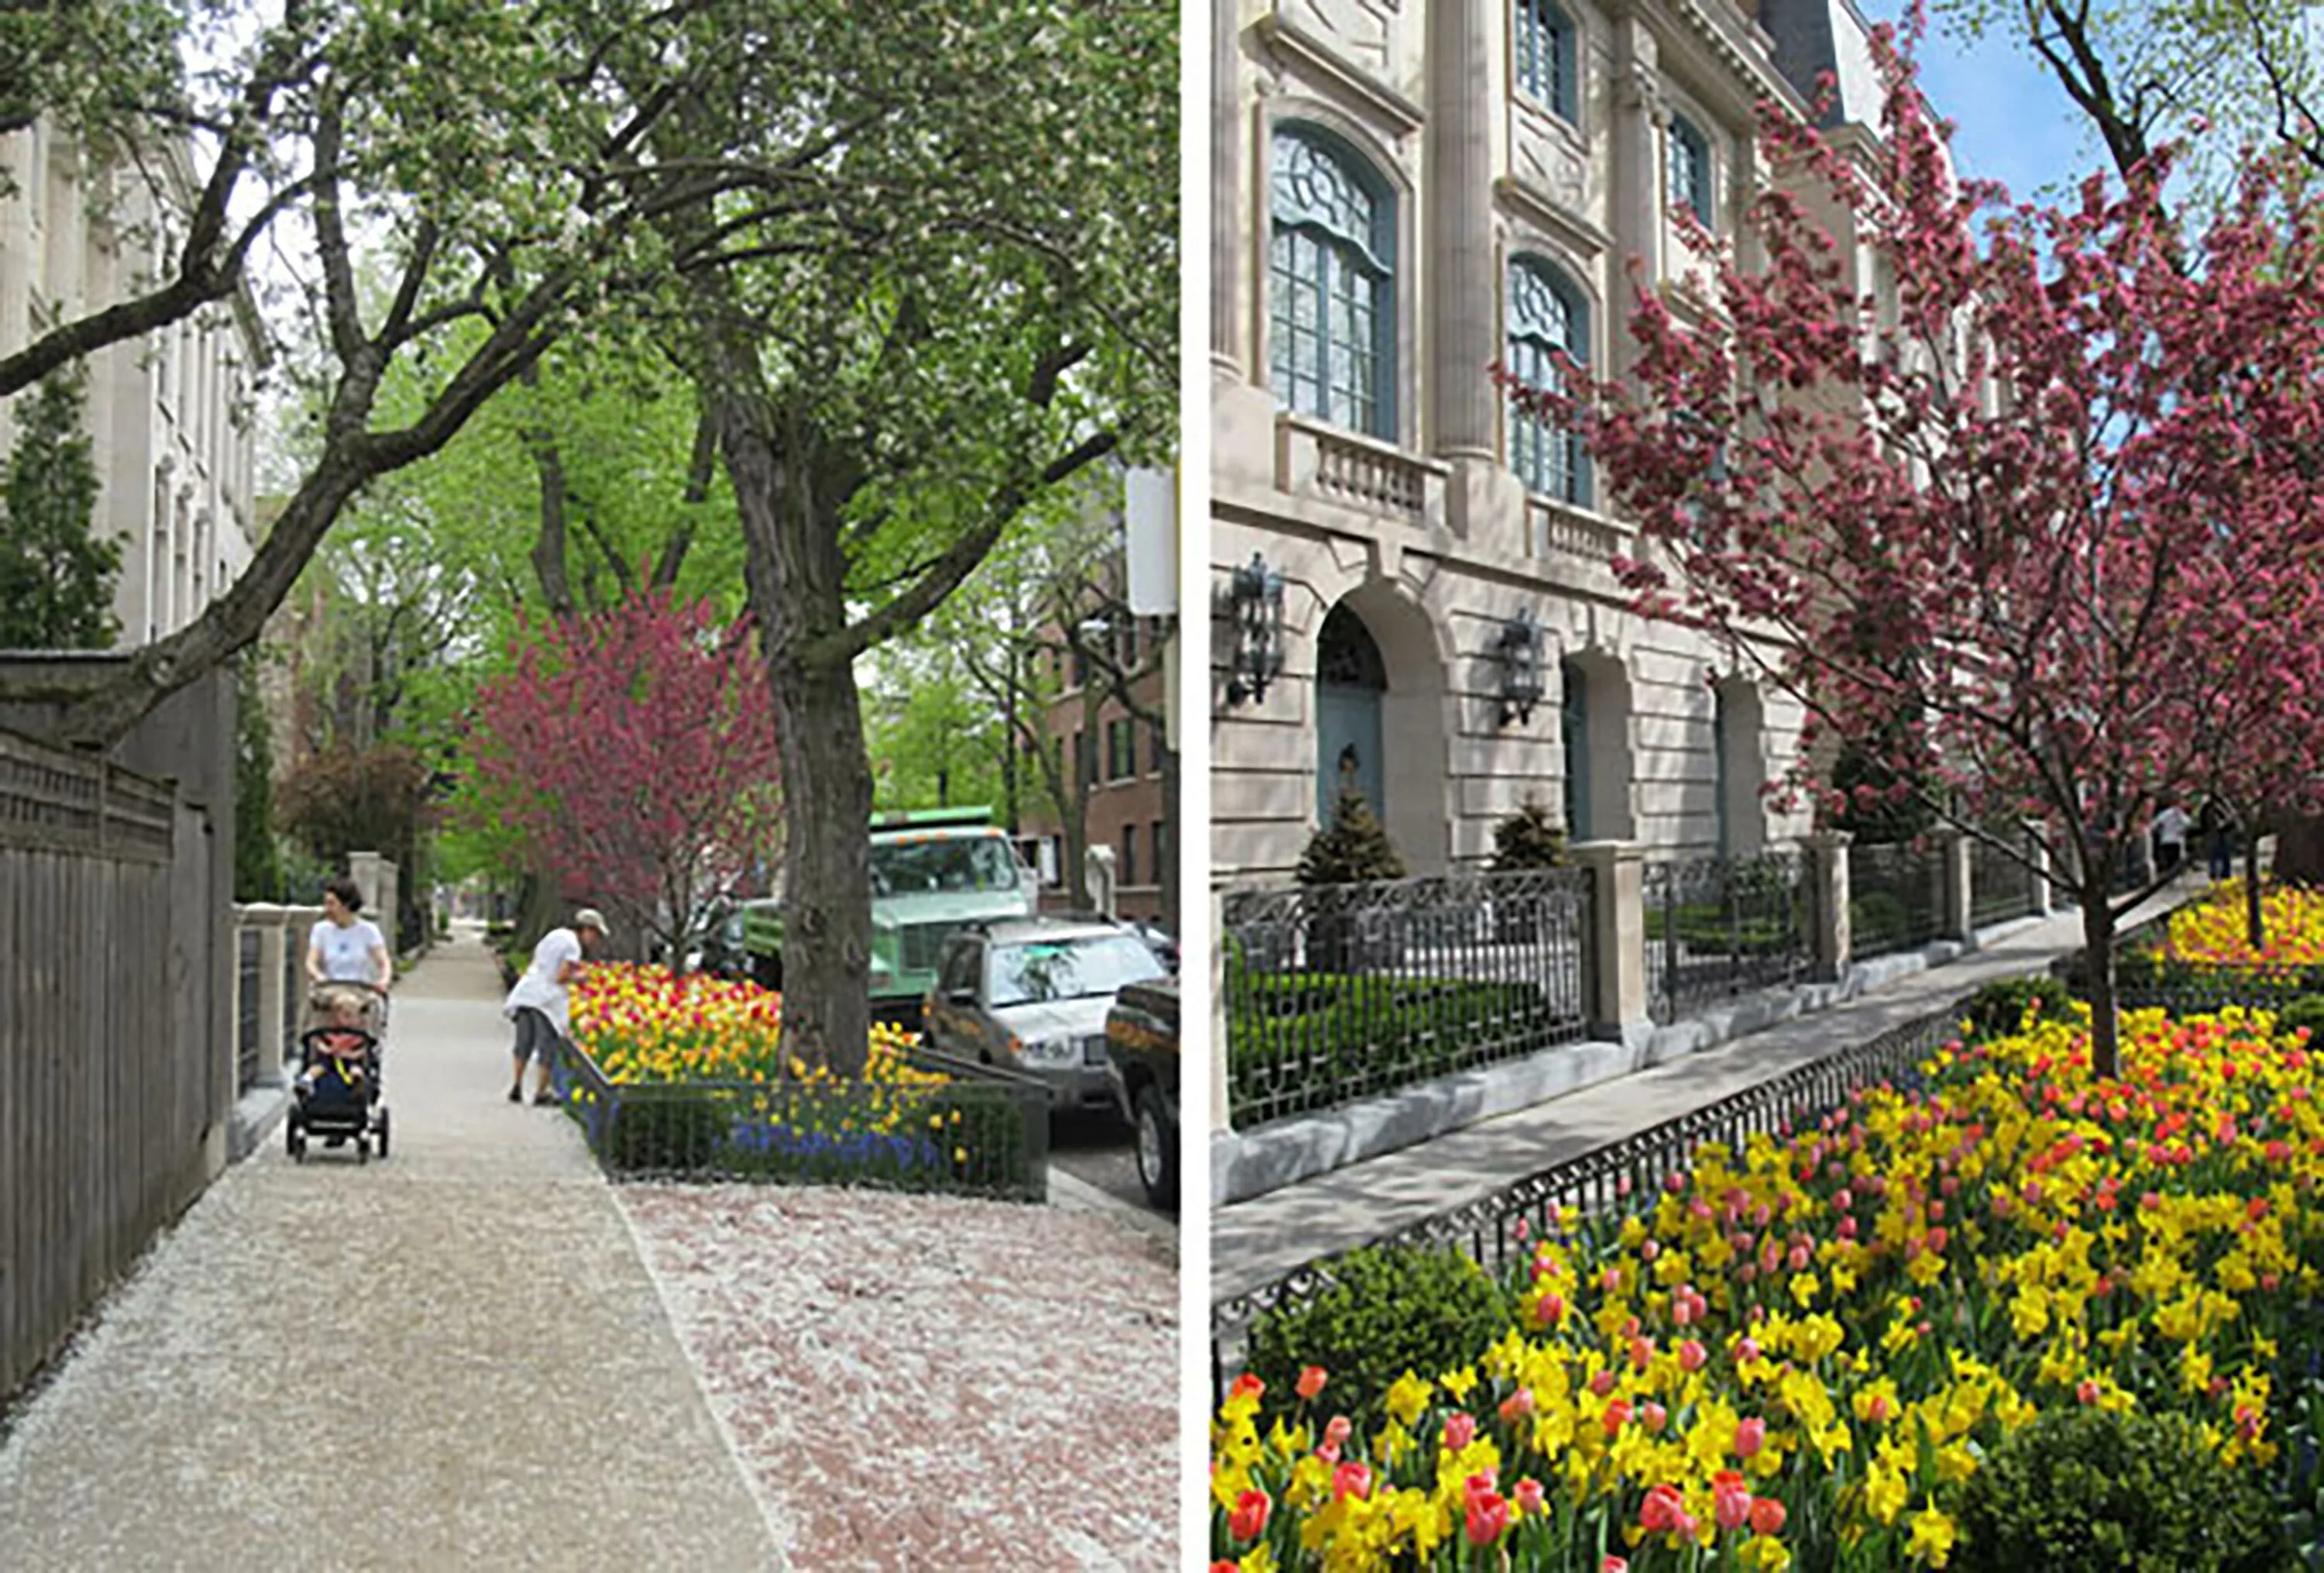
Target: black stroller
336	1097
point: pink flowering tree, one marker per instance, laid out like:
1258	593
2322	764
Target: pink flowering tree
2056	504
630	752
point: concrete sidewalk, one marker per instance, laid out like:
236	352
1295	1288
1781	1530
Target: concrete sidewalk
1255	1242
454	1358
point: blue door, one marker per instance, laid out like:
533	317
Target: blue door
1349	679
1573	729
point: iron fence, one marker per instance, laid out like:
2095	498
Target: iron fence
247	943
1896	898
1495	1231
1335	993
981	1131
1719	927
2000	887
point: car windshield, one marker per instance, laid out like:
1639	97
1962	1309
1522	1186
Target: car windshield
1068	969
959	863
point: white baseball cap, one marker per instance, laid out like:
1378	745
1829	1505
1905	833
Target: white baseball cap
590	918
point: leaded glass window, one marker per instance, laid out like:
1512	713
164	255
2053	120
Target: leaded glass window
1330	310
1547	317
1545	50
1689	168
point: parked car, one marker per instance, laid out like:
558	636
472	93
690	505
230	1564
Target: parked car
1141	1048
1032	994
1158	940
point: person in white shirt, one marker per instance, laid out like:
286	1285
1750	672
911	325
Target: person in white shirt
344	948
2171	837
540	1004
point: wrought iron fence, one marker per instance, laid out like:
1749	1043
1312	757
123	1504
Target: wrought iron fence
1719	927
1335	993
246	945
982	1131
2000	887
1896	898
1608	1181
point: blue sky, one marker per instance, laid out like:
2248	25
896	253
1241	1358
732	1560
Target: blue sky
2015	122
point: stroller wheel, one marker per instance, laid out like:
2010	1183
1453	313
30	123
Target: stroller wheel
382	1132
294	1142
363	1148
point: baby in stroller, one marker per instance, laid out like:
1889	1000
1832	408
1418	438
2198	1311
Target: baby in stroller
336	1094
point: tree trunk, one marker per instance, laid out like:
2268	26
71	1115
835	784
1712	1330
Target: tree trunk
2098	955
2299	849
2255	919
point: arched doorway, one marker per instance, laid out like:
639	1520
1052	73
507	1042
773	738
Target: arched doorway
1594	726
1573	732
1350	686
1736	723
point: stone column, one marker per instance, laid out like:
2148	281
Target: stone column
1637	195
1615	961
2038	855
1230	227
273	970
1828	894
1953	885
1461	330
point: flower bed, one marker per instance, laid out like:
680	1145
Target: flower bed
2212	932
686	1078
1799	1355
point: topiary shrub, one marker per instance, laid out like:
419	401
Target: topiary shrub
2307	1011
1343	934
2090	1491
1390	1308
1528	838
1998	1009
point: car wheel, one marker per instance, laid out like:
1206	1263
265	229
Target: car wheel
1157	1150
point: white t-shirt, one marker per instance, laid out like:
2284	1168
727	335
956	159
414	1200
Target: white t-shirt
2170	825
539	986
347	952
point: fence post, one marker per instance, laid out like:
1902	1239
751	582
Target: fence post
1953	885
2038	855
269	919
1616	958
1220	1101
1828	894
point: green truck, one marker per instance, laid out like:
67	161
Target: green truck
932	871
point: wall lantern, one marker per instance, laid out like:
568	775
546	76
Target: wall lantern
1519	650
1255	600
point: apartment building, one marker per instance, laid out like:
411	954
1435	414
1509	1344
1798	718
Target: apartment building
1411	589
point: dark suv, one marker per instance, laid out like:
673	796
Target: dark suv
1141	1052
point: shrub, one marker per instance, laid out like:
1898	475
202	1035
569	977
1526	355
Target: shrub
2087	1489
1390	1308
2307	1011
1352	849
1998	1009
678	1135
1879	918
1528	838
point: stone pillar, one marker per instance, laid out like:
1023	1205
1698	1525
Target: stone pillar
1828	894
1462	332
1231	240
2038	855
273	971
1220	1103
390	892
1637	195
1953	885
1615	961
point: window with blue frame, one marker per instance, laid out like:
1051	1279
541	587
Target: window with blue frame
1546	48
1689	168
1330	278
1547	317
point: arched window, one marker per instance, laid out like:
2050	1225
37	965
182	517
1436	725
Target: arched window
1547	316
1546	68
1689	168
1330	305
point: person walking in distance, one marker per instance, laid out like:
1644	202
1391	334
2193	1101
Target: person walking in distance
539	1003
2171	838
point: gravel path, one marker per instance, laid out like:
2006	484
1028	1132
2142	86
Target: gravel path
479	1355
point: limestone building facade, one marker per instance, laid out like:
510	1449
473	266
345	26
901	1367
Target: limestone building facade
167	415
1406	192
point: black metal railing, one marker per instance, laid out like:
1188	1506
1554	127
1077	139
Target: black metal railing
1719	927
1607	1182
1896	898
1335	993
984	1131
247	943
2000	887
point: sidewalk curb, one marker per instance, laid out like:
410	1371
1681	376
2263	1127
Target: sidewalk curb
1072	1191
